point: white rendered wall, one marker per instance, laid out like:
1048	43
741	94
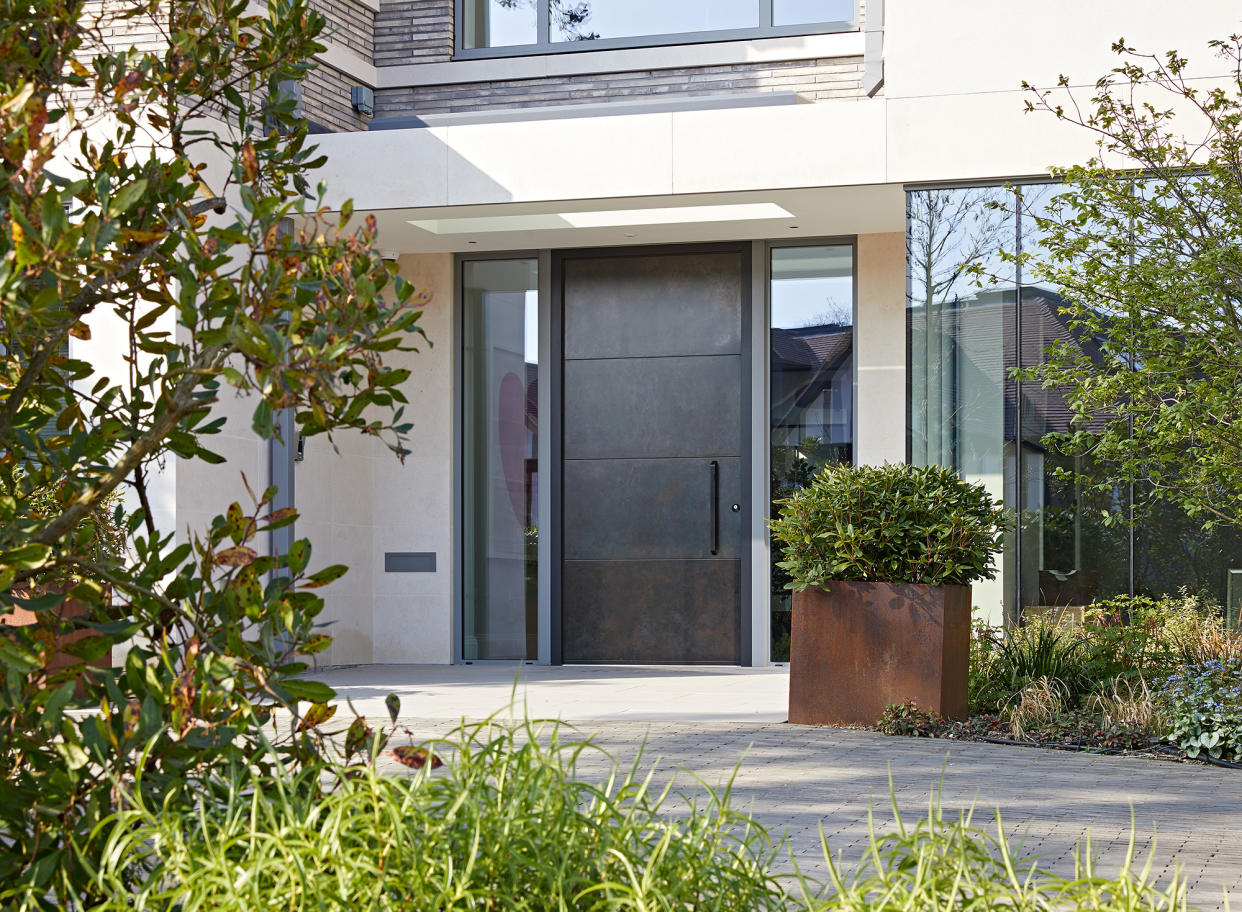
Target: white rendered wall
358	501
880	349
414	501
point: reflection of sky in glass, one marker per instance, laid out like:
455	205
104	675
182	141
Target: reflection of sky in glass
811	302
506	24
812	286
628	18
799	12
532	327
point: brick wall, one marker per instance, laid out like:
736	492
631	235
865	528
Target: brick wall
414	31
326	102
351	24
815	80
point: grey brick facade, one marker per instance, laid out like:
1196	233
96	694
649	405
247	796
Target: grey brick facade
326	101
815	80
408	32
414	31
351	24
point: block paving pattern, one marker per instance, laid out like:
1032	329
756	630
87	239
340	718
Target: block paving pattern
797	779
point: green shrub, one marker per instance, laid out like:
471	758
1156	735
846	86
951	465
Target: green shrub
99	538
889	524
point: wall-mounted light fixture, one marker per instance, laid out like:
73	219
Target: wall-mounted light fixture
363	100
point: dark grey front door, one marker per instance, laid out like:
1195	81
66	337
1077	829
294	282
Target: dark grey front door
652	450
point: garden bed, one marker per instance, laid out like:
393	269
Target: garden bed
1080	735
1158	678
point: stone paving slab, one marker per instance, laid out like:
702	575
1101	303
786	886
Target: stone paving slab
795	779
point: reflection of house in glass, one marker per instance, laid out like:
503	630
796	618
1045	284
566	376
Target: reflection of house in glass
963	355
531	487
813	389
1074	542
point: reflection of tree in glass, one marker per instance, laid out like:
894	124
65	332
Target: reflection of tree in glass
568	19
835	313
950	232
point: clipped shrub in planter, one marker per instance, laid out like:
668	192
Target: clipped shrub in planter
882	559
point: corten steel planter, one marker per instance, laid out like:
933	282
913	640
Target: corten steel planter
861	646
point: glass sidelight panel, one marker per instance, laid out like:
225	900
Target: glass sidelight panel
499	456
811	360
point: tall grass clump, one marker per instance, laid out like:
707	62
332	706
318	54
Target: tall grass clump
520	817
948	864
506	824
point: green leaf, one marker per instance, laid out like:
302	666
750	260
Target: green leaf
311	691
30	556
325	576
127	197
72	753
17	657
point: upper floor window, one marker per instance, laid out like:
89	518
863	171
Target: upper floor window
490	27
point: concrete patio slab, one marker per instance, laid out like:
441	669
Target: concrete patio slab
799	779
572	692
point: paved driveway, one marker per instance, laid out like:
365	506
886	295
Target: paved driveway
796	779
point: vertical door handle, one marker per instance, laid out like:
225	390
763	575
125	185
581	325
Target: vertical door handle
715	505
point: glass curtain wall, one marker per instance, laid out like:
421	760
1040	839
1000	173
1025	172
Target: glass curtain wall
500	459
962	346
811	360
972	321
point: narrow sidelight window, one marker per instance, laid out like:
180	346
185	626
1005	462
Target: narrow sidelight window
811	360
500	459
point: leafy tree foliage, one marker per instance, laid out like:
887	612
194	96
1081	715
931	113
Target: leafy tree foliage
1145	243
165	187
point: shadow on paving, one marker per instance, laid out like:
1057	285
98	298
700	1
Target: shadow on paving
796	779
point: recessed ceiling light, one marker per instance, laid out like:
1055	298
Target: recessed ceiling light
675	215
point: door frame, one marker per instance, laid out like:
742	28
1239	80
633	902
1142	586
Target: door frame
555	424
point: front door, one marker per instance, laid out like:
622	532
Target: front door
652	443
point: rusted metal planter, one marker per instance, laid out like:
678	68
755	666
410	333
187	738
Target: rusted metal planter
861	646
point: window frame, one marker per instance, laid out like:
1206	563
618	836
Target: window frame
545	45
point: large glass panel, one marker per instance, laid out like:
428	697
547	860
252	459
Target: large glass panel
1074	548
587	20
500	459
961	348
1173	552
812	383
499	23
805	12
